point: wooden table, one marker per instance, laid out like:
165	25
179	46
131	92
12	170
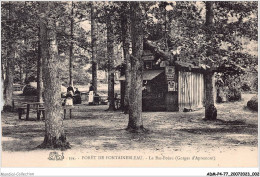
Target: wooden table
39	108
22	100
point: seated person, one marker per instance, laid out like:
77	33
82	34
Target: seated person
77	92
91	88
77	97
70	88
117	100
69	99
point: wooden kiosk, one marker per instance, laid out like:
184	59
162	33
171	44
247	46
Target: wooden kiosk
170	88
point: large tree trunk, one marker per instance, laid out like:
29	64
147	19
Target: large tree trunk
26	72
27	64
210	109
3	67
9	79
71	47
135	97
21	73
39	73
54	130
110	55
126	38
94	46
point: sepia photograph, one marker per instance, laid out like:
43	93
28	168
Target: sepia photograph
129	84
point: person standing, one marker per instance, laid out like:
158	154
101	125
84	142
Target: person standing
77	97
91	94
70	88
69	98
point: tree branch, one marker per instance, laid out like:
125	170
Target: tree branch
166	56
133	57
155	50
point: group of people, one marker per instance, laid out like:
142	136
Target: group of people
72	97
75	97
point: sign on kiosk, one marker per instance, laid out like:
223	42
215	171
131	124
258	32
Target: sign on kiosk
169	72
171	86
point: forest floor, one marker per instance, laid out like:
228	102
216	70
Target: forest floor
92	130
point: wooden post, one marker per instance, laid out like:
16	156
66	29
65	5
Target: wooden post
20	112
38	114
64	113
43	114
28	111
13	104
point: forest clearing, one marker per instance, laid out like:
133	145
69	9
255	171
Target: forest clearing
129	84
96	131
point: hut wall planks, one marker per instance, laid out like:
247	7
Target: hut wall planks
190	89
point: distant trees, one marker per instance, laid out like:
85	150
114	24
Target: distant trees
226	59
9	33
26	37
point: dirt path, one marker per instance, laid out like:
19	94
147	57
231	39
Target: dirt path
98	131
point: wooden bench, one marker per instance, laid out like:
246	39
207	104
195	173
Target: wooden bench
21	111
25	108
19	100
38	106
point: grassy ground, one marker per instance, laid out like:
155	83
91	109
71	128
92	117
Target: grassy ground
92	129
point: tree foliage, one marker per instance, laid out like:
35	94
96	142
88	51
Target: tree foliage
25	34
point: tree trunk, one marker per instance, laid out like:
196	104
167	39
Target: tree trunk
26	79
39	73
210	109
135	97
209	13
126	38
27	64
94	47
26	71
21	73
110	55
71	47
3	68
9	79
54	130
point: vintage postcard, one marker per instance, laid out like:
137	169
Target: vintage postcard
129	84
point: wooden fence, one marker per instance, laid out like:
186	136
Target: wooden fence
190	90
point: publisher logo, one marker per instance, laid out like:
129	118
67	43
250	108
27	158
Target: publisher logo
56	156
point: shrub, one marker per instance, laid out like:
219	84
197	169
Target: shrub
29	90
245	87
253	103
234	94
